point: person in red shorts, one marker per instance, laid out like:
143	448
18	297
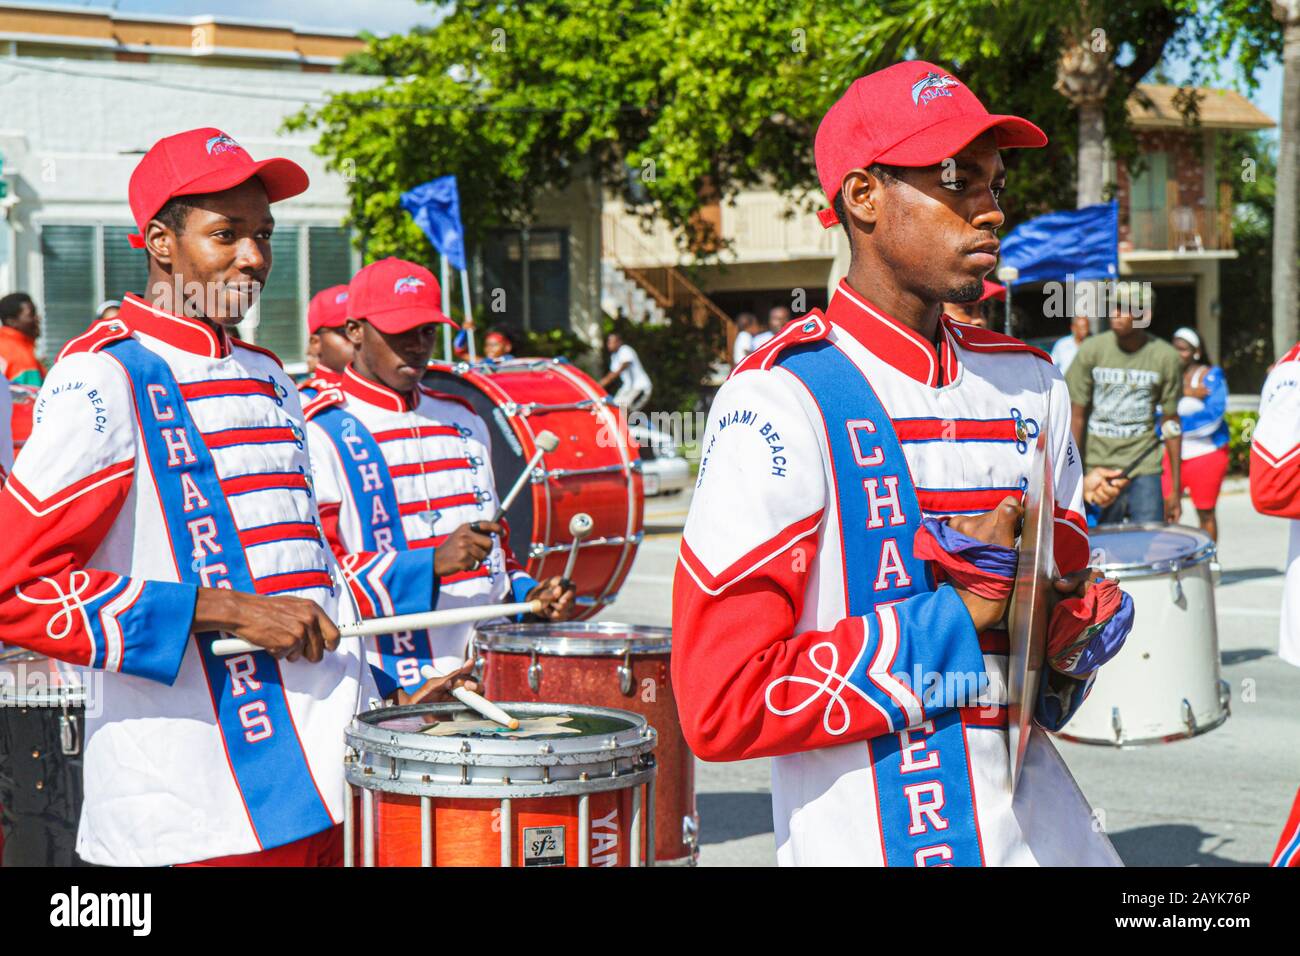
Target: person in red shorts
1205	430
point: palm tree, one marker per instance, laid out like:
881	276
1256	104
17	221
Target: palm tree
1286	236
1083	76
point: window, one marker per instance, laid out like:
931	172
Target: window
83	265
540	265
1147	218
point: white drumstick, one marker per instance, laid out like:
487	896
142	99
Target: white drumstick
580	526
425	620
474	701
546	442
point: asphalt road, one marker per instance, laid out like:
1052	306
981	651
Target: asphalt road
1215	800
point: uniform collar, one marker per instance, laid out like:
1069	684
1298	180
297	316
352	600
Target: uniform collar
188	335
374	393
893	342
9	332
326	376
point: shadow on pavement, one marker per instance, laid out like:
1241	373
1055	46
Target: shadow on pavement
1248	574
1172	844
733	816
1243	655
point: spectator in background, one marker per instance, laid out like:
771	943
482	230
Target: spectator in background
1205	430
498	345
21	327
108	309
1117	380
624	364
1067	347
746	326
777	317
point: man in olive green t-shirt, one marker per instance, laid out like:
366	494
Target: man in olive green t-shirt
1116	381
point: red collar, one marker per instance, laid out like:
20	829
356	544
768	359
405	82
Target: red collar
189	335
374	393
893	342
325	376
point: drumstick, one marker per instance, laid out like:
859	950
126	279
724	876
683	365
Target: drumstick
546	442
474	701
425	620
580	526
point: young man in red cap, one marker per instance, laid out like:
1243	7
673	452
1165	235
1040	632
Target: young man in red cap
846	564
401	471
164	498
328	348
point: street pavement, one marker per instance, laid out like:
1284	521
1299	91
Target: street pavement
1215	800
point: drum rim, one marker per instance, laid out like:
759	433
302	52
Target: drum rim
354	774
534	638
366	733
1205	552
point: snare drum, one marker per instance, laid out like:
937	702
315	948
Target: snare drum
42	719
441	786
1164	684
604	665
596	468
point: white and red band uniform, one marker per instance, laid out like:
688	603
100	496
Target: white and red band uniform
798	604
395	474
165	456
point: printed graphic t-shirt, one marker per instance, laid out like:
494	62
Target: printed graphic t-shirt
1121	390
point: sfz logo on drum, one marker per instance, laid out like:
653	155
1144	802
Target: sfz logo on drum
543	846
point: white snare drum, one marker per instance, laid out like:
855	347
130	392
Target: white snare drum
1164	684
441	786
28	679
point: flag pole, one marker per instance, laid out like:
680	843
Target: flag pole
445	272
469	316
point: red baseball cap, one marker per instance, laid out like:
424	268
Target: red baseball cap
394	295
328	309
908	114
203	161
993	291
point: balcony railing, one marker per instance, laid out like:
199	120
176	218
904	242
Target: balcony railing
1183	228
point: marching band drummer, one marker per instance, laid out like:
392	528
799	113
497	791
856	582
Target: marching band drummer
400	469
163	498
846	562
328	348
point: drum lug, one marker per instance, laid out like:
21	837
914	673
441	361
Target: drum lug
625	674
1189	719
70	733
1225	696
691	834
1116	724
1176	588
535	674
538	476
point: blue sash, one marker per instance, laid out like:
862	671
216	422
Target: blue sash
248	696
865	449
374	493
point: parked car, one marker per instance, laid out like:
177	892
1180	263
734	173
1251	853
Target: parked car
663	469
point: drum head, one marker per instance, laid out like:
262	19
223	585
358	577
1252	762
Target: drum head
508	458
542	727
1148	547
576	639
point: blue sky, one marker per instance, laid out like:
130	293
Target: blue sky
389	16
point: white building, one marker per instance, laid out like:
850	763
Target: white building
83	93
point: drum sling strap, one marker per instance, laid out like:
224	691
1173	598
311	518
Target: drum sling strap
878	514
371	486
248	696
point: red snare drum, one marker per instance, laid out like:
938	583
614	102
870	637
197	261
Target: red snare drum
596	469
441	786
604	665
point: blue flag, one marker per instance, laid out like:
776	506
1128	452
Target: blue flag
435	207
1079	242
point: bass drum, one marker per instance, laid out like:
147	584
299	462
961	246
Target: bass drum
596	468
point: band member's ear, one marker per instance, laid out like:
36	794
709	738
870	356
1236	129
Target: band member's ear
862	193
353	330
158	240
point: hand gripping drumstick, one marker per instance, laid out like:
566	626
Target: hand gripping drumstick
580	526
401	622
474	701
546	442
